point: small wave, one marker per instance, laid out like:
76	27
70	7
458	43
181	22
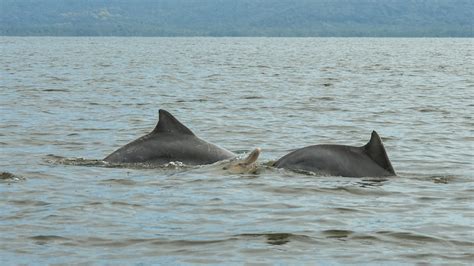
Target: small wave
182	243
56	90
361	191
125	204
462	243
212	76
429	256
29	202
150	165
347	210
48	237
337	233
364	237
305	172
6	176
442	179
410	236
102	242
372	182
54	159
252	97
276	238
45	239
437	179
293	190
364	181
125	182
323	98
192	100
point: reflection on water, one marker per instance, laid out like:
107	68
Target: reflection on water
68	102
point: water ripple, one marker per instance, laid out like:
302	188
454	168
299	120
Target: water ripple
66	103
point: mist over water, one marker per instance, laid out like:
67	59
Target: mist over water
66	103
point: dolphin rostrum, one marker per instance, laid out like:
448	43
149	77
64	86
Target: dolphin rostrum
370	160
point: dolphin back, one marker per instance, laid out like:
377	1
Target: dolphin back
370	160
170	141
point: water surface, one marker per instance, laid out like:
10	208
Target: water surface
68	98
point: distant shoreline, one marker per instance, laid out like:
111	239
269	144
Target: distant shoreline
239	18
243	37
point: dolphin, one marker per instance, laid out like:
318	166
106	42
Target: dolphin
245	165
171	141
370	160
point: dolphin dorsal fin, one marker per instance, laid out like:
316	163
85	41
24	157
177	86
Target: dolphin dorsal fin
167	123
376	152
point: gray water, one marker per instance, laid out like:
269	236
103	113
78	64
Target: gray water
66	102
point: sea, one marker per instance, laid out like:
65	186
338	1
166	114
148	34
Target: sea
67	102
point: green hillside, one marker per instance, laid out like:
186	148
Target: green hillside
402	18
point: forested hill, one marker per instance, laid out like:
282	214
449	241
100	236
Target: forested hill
406	18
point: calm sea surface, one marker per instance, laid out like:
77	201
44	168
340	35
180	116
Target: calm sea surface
67	102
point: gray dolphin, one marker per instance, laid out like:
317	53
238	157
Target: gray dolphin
171	141
370	160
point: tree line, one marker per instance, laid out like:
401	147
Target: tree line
302	18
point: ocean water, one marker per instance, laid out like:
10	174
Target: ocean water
66	103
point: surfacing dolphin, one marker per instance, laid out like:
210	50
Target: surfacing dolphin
171	141
370	160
